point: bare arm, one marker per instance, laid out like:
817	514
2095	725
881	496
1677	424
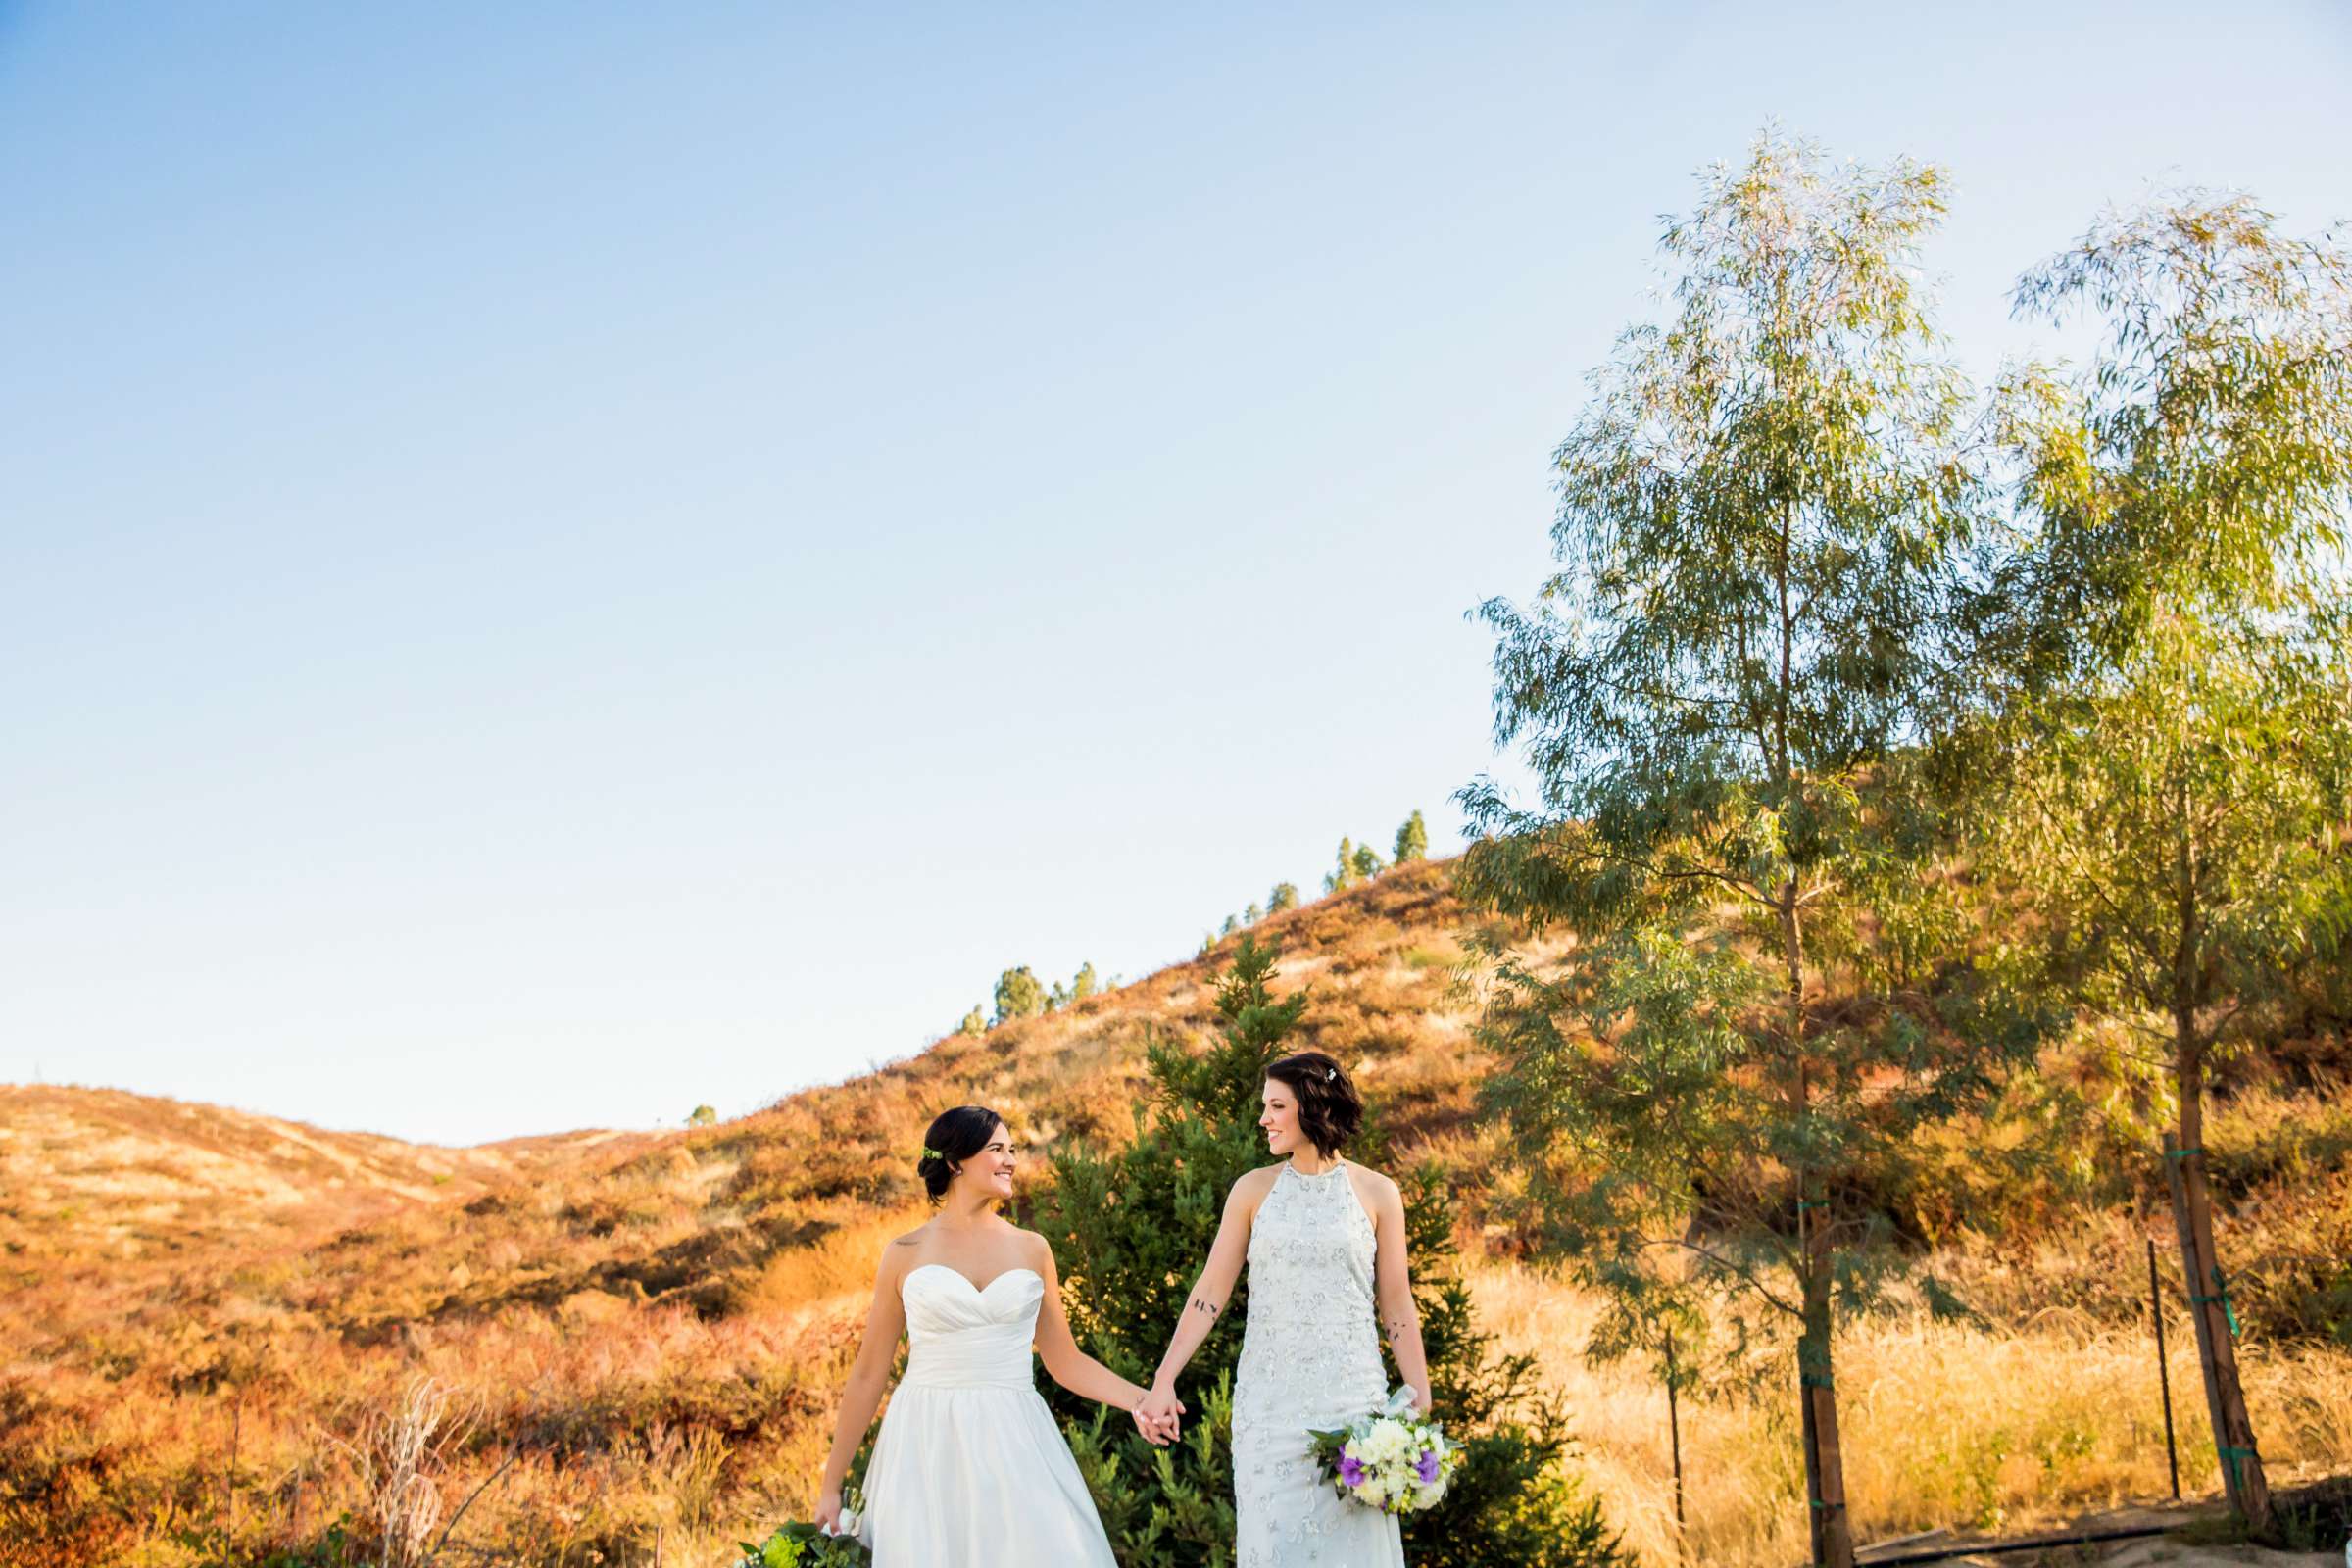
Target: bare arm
1210	1292
869	1375
1067	1364
1392	1281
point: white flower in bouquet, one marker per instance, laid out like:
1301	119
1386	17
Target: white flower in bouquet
1393	1459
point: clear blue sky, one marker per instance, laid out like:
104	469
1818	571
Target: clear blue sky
562	562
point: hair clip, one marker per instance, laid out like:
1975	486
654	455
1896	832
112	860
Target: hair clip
1331	1075
932	1153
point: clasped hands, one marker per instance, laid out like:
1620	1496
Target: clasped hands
1160	1418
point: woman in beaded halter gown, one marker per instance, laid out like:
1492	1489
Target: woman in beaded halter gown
1324	1239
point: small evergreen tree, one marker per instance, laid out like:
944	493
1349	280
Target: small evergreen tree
1019	994
1251	915
704	1117
975	1022
1284	896
1368	864
1059	997
1083	984
1412	840
1343	875
1233	923
1131	1230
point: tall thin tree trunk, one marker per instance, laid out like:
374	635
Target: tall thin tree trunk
2242	1477
1817	1396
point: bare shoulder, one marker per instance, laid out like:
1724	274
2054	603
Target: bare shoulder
1255	1184
1382	1190
902	1252
1034	1249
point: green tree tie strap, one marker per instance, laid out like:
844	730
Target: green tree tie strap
2182	1154
2222	1295
2233	1458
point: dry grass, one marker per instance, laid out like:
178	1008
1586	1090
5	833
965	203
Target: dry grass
1945	1425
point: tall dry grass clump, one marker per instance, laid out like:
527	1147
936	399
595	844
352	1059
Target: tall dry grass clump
1950	1425
403	1454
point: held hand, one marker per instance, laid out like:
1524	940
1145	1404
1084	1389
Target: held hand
1158	1432
828	1509
1423	1403
1159	1411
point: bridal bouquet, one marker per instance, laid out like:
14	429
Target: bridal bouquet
802	1544
1393	1459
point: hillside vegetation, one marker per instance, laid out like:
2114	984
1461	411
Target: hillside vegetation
216	1353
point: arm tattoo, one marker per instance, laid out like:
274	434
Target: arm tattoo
1205	1306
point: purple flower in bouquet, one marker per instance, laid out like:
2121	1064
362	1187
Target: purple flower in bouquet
1427	1469
1351	1471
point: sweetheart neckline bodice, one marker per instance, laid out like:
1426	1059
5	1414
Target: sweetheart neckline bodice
977	1290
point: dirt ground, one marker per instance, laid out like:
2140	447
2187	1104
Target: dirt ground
2151	1551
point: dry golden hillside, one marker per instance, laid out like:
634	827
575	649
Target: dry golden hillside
103	1172
215	1326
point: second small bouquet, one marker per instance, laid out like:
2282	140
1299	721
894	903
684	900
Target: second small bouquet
1393	1459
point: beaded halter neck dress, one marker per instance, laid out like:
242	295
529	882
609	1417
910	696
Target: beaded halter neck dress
1310	1359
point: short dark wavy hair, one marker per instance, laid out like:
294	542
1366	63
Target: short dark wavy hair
955	1135
1330	1110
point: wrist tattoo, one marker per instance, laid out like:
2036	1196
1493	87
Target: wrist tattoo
1199	1306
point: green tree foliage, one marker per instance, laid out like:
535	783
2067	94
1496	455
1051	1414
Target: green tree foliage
975	1022
1285	895
1412	839
1131	1230
1343	874
2172	753
1252	915
1083	984
1763	513
1367	862
1233	923
703	1116
1059	997
1019	994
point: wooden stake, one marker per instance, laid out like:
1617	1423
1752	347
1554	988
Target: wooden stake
2164	1371
1674	1432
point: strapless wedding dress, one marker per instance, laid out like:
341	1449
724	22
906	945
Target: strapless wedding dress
969	1470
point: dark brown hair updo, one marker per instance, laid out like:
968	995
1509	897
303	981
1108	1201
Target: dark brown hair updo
1330	1110
954	1137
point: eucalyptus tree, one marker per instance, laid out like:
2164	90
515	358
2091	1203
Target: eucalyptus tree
2173	741
1764	508
1412	839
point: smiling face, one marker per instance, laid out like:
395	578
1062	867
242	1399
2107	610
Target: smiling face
1280	1118
990	1171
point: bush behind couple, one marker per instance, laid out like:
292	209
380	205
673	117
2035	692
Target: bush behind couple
969	1466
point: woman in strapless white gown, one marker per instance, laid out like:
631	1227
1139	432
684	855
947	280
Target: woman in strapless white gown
969	1468
1324	1239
